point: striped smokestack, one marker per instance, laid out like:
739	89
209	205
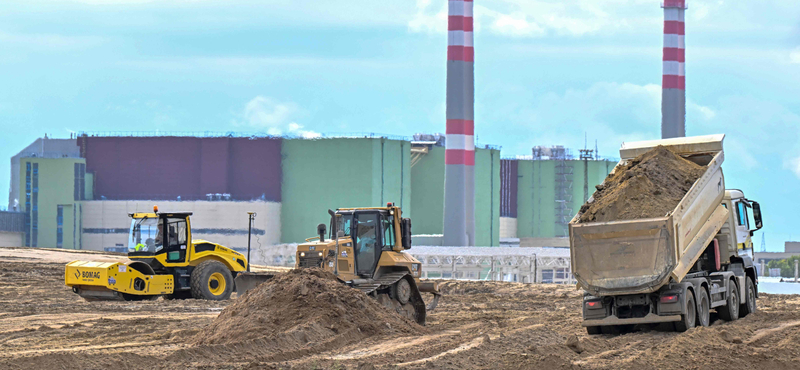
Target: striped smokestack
673	96
459	183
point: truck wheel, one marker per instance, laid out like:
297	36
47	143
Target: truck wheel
731	310
593	330
749	305
688	319
703	308
211	280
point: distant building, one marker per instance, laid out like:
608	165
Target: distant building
790	249
77	193
540	194
12	229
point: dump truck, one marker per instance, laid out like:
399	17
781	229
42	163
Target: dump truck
164	260
365	250
671	269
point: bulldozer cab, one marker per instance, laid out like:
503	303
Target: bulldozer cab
154	234
372	232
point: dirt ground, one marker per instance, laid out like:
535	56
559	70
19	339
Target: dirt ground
478	325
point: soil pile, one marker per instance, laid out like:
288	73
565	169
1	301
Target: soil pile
649	186
300	309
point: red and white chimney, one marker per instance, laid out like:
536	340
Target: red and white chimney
459	184
673	97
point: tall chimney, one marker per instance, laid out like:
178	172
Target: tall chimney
673	96
459	182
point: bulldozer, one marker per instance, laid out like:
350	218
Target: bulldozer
164	261
365	251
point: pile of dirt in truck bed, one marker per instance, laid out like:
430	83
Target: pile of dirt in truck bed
304	308
648	186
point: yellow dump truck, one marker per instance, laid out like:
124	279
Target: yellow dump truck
164	261
675	268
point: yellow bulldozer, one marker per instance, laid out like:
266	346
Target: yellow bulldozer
164	261
365	251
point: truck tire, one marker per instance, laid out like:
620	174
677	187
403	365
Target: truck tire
703	308
730	311
688	319
593	330
211	280
748	305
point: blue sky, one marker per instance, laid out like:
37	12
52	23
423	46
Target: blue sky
547	72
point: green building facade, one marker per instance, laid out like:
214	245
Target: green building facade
427	187
551	192
51	193
327	174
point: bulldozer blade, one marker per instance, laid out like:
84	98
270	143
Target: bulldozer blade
249	280
433	288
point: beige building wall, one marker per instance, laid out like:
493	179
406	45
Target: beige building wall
11	239
508	227
106	222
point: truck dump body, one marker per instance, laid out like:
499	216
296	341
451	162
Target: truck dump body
641	255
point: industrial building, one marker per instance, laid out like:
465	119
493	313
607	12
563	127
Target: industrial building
77	193
541	193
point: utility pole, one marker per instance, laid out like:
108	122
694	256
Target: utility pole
250	216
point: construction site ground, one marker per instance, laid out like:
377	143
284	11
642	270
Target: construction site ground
478	325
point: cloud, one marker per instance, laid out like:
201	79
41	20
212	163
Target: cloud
266	113
42	41
297	129
526	18
793	164
794	56
275	118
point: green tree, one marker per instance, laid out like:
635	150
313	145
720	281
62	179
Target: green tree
786	266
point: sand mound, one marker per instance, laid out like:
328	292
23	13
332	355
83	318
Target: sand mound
303	308
650	185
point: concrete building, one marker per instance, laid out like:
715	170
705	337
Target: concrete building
541	194
790	249
12	229
82	201
106	222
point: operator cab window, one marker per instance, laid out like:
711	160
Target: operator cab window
741	213
366	242
176	239
344	223
388	232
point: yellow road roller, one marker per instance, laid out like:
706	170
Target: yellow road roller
164	261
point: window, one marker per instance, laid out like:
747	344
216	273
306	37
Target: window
366	240
741	212
547	276
35	206
388	232
28	204
79	186
344	224
60	227
176	239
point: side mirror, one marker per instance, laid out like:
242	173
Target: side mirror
757	215
405	230
321	232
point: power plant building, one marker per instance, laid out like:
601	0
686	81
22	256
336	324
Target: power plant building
79	196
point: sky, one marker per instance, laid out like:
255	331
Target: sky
547	72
